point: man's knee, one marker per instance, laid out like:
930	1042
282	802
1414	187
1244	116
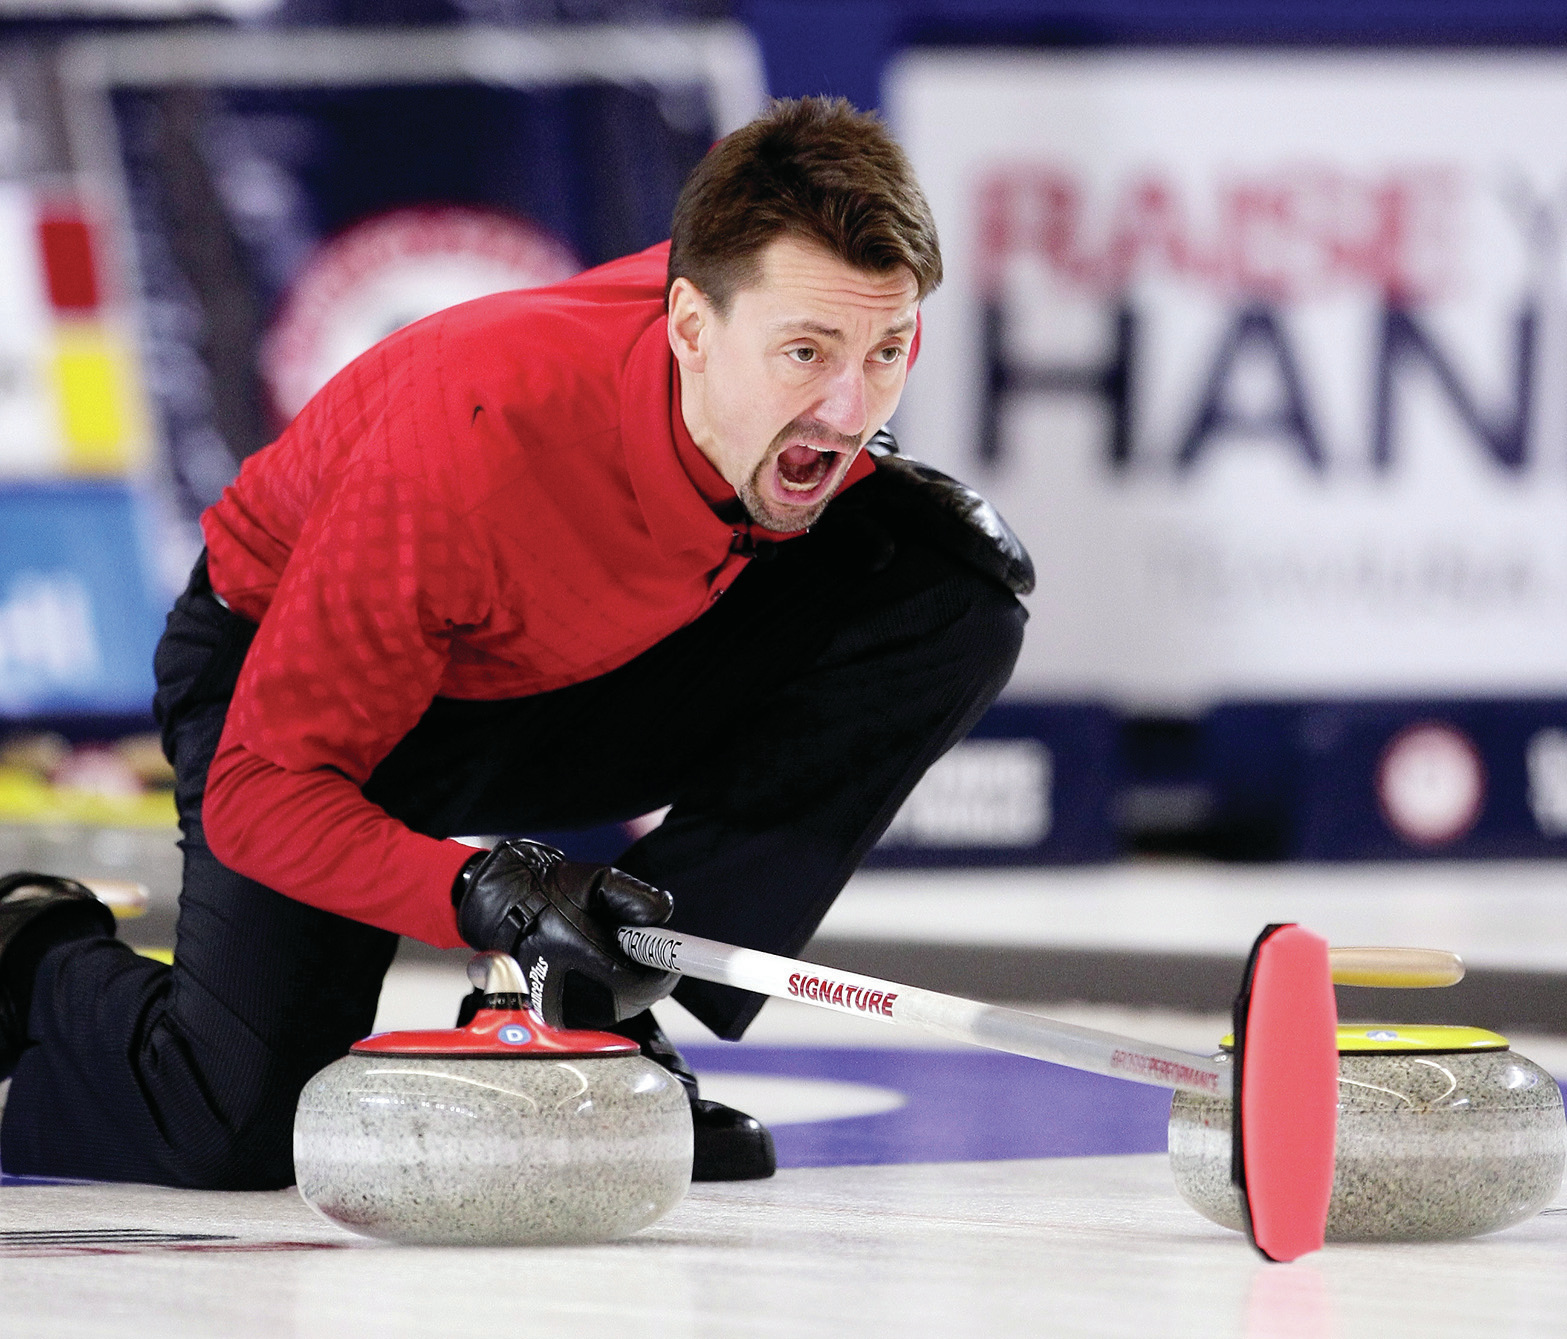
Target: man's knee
964	634
182	1140
132	1079
236	1144
990	634
257	1158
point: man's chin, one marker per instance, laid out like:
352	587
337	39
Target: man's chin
783	521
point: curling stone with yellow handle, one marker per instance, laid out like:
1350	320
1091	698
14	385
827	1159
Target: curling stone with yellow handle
1443	1132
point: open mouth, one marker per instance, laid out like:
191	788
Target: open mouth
803	469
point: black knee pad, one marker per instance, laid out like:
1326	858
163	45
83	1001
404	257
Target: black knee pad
918	501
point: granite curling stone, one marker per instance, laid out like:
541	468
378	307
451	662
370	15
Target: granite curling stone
504	1133
1443	1132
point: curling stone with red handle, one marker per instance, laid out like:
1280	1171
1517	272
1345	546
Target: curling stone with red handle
506	1132
1443	1132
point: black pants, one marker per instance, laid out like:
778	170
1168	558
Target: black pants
785	727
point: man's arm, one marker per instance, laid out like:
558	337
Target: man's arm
347	658
313	836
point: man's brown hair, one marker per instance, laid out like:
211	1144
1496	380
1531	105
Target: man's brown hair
814	169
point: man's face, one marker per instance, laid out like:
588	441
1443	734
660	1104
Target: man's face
780	391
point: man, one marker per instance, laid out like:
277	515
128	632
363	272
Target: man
549	559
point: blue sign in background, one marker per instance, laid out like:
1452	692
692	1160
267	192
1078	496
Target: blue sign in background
1082	742
79	616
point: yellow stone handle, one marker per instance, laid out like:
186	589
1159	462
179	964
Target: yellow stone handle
1395	968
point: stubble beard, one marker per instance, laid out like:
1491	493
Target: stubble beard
754	500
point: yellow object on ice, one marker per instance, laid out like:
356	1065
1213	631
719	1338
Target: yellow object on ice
25	797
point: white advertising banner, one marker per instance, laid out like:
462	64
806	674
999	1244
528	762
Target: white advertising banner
1264	356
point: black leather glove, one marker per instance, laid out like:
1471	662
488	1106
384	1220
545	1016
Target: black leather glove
558	918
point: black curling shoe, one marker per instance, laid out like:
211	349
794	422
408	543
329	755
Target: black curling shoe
728	1144
37	911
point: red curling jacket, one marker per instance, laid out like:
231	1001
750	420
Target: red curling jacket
498	500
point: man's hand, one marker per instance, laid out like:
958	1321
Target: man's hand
558	918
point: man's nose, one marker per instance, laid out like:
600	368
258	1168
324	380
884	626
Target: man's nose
843	407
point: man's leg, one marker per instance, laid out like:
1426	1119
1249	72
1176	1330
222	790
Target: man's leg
769	828
189	1076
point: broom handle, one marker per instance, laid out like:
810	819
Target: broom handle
948	1016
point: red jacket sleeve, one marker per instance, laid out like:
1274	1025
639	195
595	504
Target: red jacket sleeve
315	837
345	661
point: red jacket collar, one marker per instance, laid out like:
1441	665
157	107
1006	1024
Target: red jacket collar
716	490
678	517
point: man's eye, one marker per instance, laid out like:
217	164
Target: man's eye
803	355
891	354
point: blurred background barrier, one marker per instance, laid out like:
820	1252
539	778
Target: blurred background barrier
1263	354
1254	327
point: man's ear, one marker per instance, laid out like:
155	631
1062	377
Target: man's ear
690	315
